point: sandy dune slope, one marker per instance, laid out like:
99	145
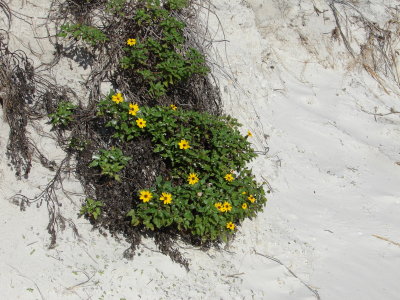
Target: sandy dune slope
331	227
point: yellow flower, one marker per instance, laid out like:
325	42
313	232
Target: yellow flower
145	196
184	144
244	193
192	178
166	198
173	107
117	98
133	109
230	225
244	205
251	198
222	209
131	42
227	206
218	205
141	123
229	177
249	133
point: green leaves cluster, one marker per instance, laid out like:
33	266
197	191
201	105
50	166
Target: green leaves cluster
222	191
160	59
217	148
193	210
167	4
63	114
110	162
116	6
159	56
88	34
91	208
176	4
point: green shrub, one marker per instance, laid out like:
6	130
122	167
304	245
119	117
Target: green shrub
63	114
160	59
110	162
176	4
208	188
116	6
88	34
91	208
168	4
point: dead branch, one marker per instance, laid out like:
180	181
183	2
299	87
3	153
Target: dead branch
50	197
339	28
6	10
386	239
378	53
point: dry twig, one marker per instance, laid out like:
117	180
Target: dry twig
386	239
315	292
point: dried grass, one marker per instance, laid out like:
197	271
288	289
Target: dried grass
377	52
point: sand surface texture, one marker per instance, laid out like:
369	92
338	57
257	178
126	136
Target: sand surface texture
331	227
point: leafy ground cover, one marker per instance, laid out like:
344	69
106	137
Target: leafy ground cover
155	156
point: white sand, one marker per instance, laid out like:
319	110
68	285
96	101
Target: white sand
331	165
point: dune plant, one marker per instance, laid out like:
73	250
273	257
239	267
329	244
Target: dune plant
110	162
156	50
91	208
116	6
176	4
208	190
187	169
63	114
88	34
161	58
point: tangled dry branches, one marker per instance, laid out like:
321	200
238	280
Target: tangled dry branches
378	52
